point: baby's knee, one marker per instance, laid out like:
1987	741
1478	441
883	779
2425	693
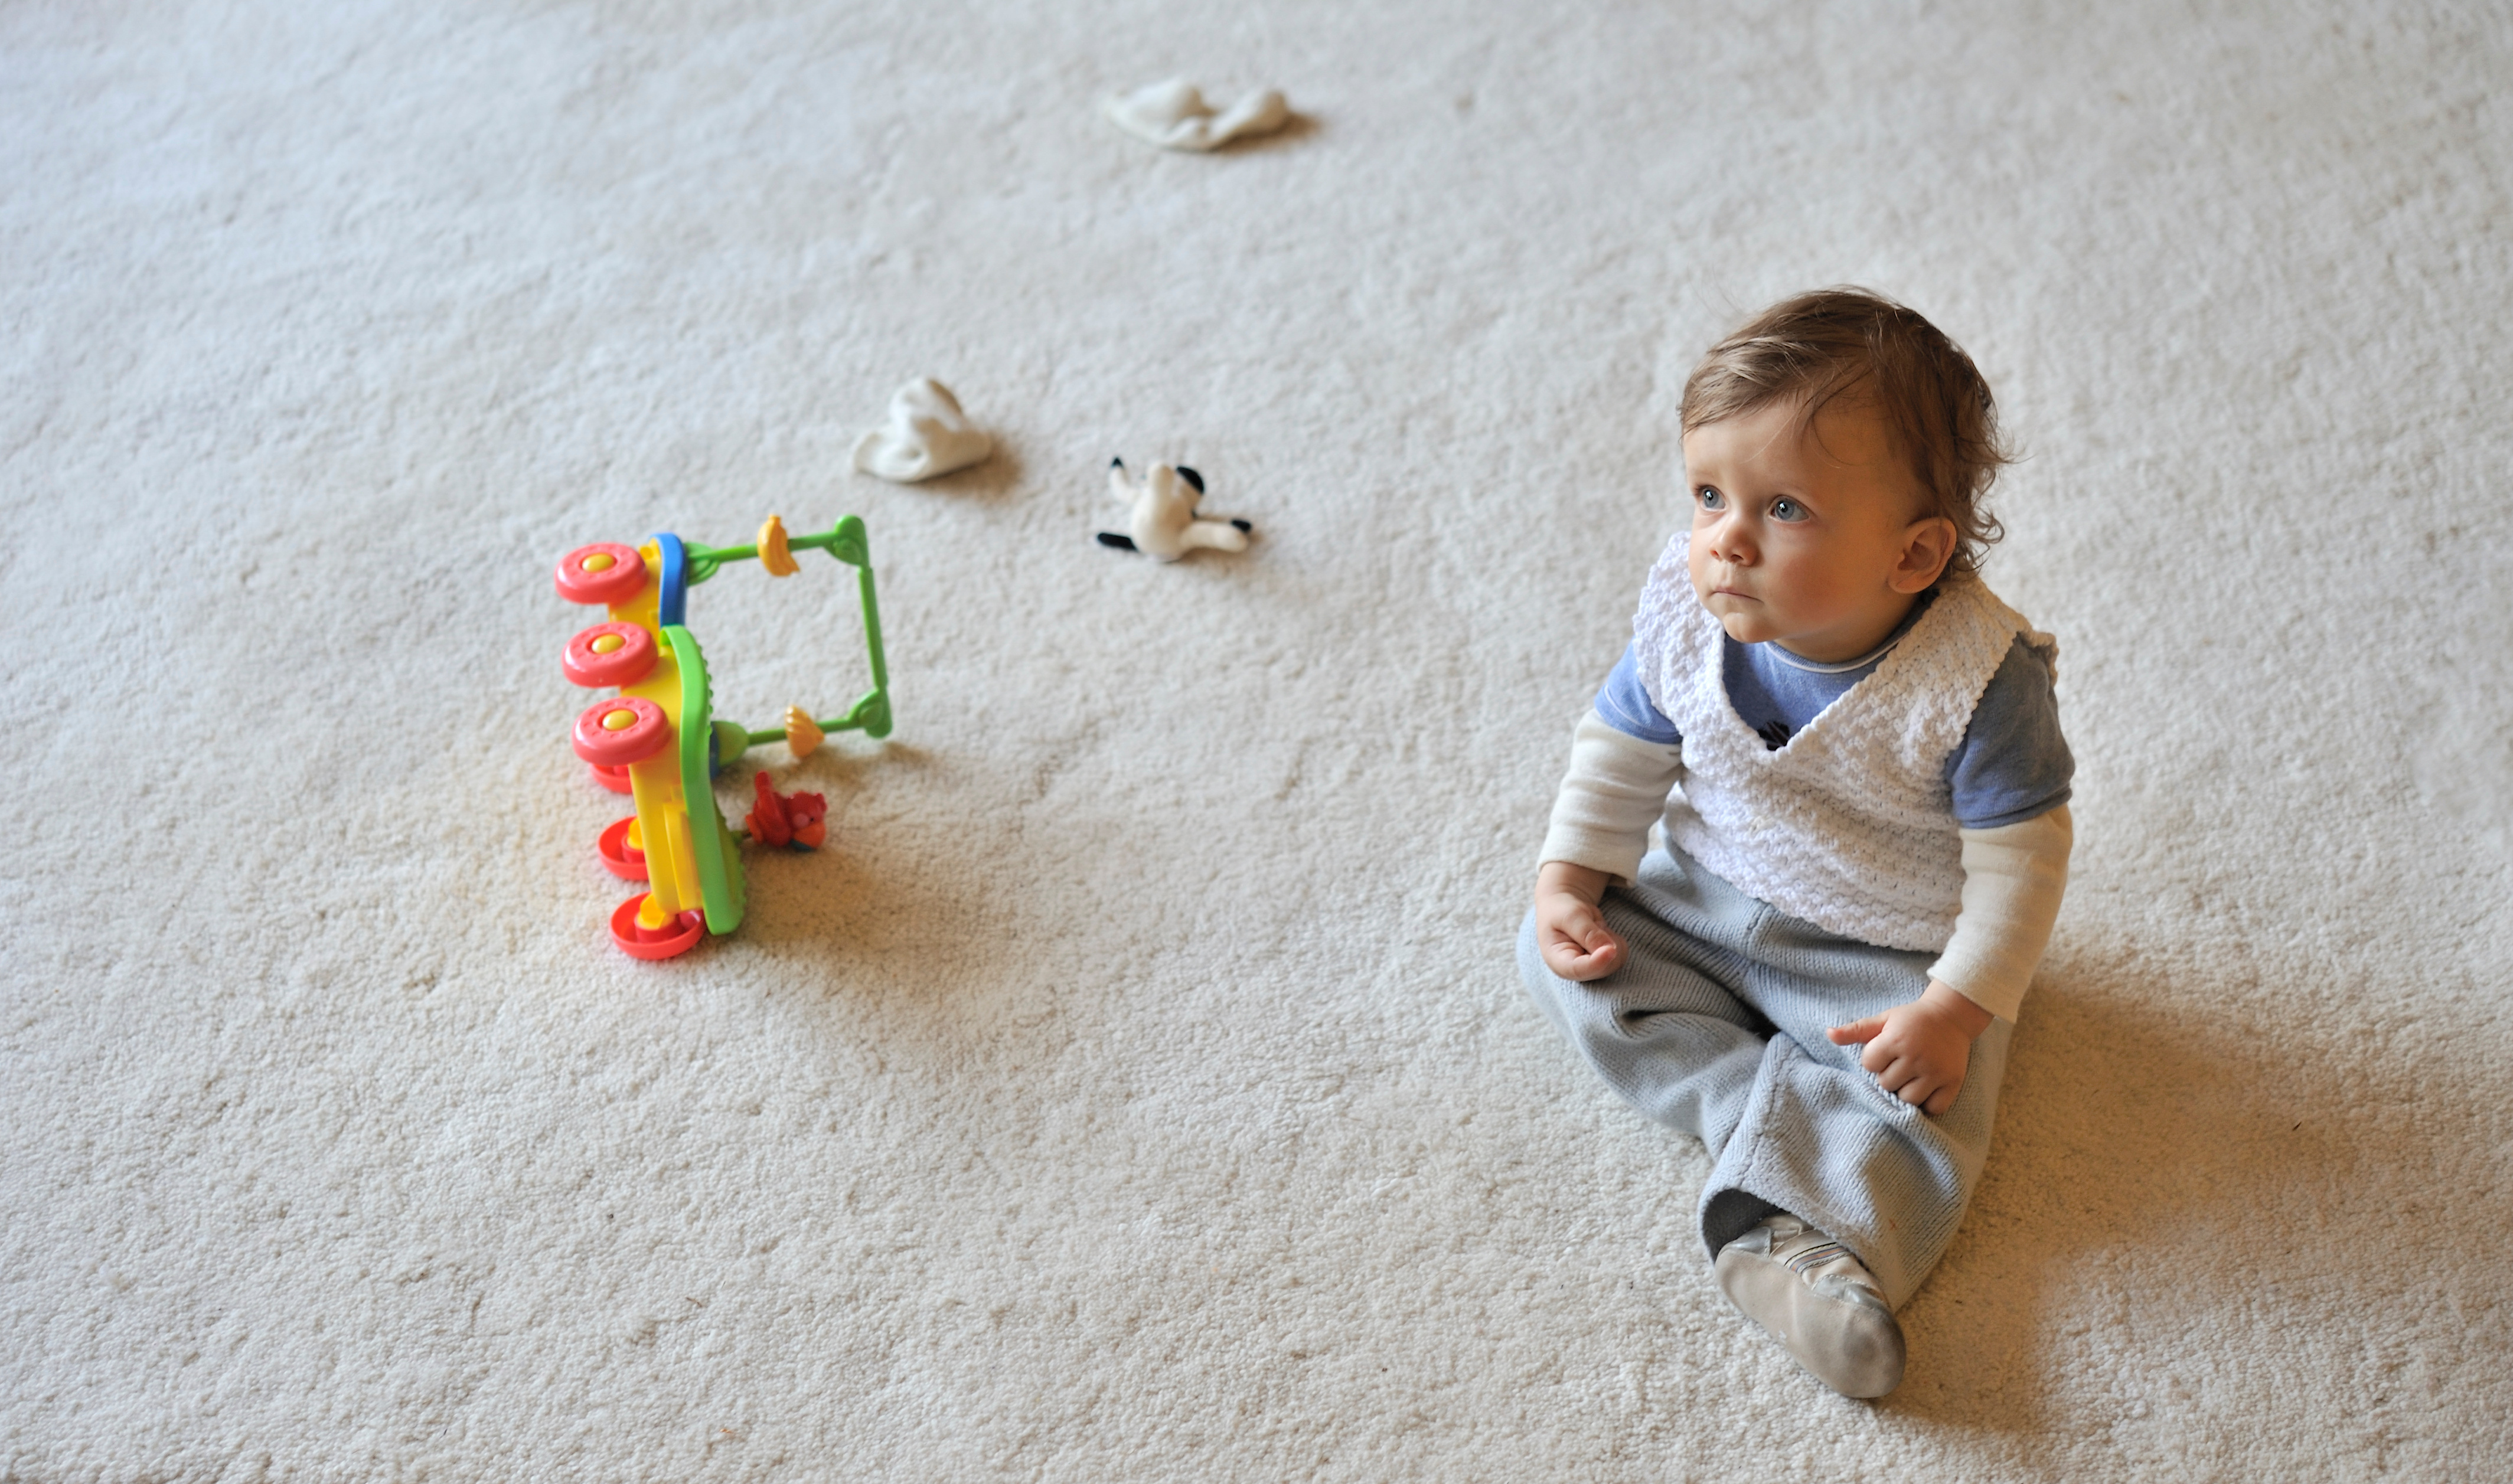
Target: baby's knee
1530	957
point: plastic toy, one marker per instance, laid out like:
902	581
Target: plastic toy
1163	524
799	820
659	740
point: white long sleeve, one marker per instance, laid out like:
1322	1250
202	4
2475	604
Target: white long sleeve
1616	790
2014	878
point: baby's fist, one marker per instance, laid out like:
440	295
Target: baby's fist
1570	930
1919	1051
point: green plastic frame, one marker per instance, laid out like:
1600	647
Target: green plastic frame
717	855
870	714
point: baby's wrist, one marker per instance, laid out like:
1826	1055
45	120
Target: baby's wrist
1586	883
1957	1008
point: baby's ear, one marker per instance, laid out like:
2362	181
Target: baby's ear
1928	545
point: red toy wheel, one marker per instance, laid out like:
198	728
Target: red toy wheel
616	732
618	857
615	779
678	936
608	654
604	572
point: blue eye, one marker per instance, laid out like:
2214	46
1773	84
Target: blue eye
1787	509
1708	497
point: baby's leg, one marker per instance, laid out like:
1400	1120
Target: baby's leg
1664	1030
1843	1197
1819	1139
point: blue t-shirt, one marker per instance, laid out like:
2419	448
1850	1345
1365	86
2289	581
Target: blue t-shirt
2013	764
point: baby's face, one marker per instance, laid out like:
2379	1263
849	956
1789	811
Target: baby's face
1813	539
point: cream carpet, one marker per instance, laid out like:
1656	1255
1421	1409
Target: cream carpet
1139	1087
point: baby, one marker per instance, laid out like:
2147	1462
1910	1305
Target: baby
1818	975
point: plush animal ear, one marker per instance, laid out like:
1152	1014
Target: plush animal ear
1121	543
1194	479
1116	463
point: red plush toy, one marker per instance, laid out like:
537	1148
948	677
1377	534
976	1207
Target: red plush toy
799	820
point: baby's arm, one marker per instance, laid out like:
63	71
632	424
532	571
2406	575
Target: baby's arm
2014	878
1616	790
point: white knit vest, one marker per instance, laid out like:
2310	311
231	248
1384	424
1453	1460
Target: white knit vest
1851	825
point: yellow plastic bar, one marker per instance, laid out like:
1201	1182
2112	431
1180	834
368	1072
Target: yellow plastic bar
663	807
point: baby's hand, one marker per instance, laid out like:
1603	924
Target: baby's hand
1918	1050
1570	932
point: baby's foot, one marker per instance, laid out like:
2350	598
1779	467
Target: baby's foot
1817	1301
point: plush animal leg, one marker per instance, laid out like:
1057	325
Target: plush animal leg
1122	486
1216	536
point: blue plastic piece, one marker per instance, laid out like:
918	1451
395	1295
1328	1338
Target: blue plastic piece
727	741
672	585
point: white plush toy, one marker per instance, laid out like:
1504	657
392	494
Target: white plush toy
927	434
1164	526
1175	116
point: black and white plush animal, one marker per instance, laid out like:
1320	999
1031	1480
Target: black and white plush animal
1164	526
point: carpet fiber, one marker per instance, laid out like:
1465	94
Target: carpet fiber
1139	1088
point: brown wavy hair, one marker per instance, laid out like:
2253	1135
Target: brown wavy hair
1852	342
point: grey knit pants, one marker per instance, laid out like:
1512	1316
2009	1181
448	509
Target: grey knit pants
1715	1025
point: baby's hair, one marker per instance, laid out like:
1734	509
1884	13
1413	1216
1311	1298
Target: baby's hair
1855	342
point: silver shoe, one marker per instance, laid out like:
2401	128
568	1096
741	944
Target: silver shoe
1817	1300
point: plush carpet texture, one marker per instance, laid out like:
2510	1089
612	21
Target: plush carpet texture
1138	1087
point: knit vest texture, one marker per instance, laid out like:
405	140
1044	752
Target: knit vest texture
1849	826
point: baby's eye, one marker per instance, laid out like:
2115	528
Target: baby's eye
1709	498
1787	509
